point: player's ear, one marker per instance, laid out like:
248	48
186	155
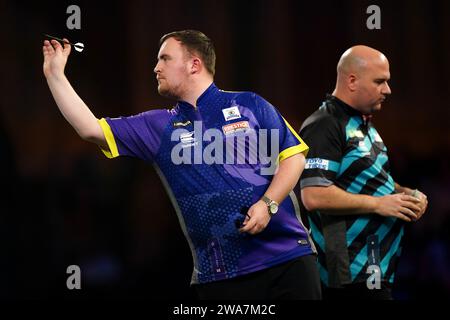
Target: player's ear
196	65
352	82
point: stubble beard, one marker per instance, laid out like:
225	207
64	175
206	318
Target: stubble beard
167	92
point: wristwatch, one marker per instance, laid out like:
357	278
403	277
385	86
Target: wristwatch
272	206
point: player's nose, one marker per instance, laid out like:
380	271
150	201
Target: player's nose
157	68
386	89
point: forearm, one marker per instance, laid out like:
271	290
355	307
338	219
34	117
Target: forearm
74	110
334	200
286	177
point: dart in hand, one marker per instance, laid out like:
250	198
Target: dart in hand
78	46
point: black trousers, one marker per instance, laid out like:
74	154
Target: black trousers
358	291
297	279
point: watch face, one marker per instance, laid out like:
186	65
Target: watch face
273	208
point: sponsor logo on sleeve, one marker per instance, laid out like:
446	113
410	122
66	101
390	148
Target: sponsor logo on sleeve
317	163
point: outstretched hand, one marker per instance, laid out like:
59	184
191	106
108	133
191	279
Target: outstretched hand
55	57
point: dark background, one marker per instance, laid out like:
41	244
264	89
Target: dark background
63	203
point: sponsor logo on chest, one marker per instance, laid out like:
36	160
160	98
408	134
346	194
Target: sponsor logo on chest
355	133
178	124
231	113
188	139
235	127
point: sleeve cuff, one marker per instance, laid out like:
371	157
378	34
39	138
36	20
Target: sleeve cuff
315	182
302	147
289	152
112	152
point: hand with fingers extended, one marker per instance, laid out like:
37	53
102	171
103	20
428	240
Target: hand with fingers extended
257	219
55	57
400	205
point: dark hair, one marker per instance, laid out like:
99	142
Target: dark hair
195	42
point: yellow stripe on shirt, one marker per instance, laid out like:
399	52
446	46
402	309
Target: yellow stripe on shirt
109	136
300	148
